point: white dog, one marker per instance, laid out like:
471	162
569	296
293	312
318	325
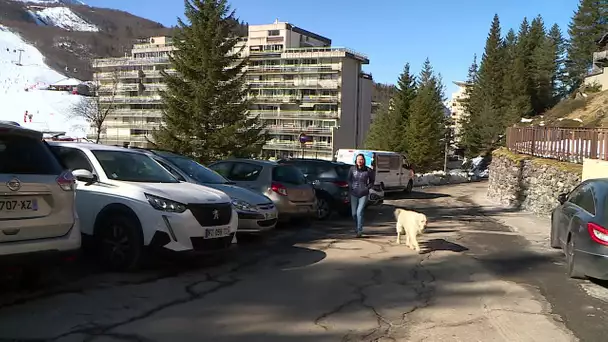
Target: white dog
411	224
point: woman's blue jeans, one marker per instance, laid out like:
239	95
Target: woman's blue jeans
357	206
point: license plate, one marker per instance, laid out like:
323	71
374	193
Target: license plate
213	233
303	209
16	205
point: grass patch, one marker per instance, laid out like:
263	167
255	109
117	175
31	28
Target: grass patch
565	107
518	158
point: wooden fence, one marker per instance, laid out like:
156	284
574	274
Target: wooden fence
566	144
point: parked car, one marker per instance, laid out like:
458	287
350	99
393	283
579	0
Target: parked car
331	185
285	185
127	202
579	226
38	217
257	213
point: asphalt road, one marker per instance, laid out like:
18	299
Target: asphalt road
475	280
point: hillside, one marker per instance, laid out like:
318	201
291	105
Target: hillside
590	111
69	34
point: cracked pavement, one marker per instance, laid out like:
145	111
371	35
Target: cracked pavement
315	283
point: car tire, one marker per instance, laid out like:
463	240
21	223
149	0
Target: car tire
119	243
324	209
571	268
554	238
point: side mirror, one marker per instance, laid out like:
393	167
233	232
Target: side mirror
84	175
562	198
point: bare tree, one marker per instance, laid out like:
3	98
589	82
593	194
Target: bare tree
96	108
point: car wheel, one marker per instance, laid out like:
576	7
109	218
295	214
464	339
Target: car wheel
571	267
409	187
554	238
323	208
120	243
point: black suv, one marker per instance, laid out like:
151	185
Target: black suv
330	181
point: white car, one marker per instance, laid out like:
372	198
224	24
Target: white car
126	201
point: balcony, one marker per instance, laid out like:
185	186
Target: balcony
279	129
291	84
601	58
321	147
273	99
294	69
273	114
138	125
128	61
320	99
313	52
131	99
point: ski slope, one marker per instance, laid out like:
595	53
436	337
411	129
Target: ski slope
50	109
62	17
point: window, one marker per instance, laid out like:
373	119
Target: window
222	168
132	167
73	159
274	33
172	170
26	155
245	172
395	162
583	198
197	171
288	174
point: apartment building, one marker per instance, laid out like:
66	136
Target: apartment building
599	70
457	110
300	86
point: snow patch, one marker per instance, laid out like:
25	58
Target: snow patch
441	177
21	89
64	18
526	120
52	2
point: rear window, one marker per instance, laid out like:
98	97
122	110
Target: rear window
288	174
27	156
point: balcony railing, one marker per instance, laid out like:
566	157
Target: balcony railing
128	61
296	146
331	51
136	112
601	56
300	84
272	114
131	99
310	68
298	129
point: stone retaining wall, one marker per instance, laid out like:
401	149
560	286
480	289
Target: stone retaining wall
530	183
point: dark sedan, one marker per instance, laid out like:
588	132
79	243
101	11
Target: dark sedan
578	226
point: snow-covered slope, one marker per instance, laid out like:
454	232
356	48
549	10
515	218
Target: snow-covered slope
49	108
62	17
52	2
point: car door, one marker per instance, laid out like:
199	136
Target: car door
569	210
90	197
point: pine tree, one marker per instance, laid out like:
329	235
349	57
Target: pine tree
377	136
487	99
558	44
402	101
205	112
590	21
541	66
426	127
516	78
471	127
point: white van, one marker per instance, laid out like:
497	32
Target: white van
393	170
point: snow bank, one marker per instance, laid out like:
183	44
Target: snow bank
440	178
64	18
49	108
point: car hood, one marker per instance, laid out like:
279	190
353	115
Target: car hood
242	194
183	192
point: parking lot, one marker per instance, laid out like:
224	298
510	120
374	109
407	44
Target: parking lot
476	279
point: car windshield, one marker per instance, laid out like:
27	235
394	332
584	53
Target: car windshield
132	167
197	171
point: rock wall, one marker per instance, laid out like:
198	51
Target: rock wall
529	183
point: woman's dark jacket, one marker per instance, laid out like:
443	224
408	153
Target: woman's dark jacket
360	180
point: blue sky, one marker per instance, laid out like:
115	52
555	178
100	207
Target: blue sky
390	32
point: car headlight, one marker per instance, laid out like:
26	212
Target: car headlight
164	204
242	205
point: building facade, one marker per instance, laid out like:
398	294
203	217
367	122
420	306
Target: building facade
457	109
599	70
300	86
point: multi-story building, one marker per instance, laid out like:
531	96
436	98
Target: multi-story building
300	86
457	109
599	70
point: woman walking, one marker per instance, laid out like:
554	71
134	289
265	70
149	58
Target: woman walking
360	180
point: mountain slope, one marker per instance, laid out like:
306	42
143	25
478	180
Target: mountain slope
69	44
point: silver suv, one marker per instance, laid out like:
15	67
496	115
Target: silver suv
38	217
